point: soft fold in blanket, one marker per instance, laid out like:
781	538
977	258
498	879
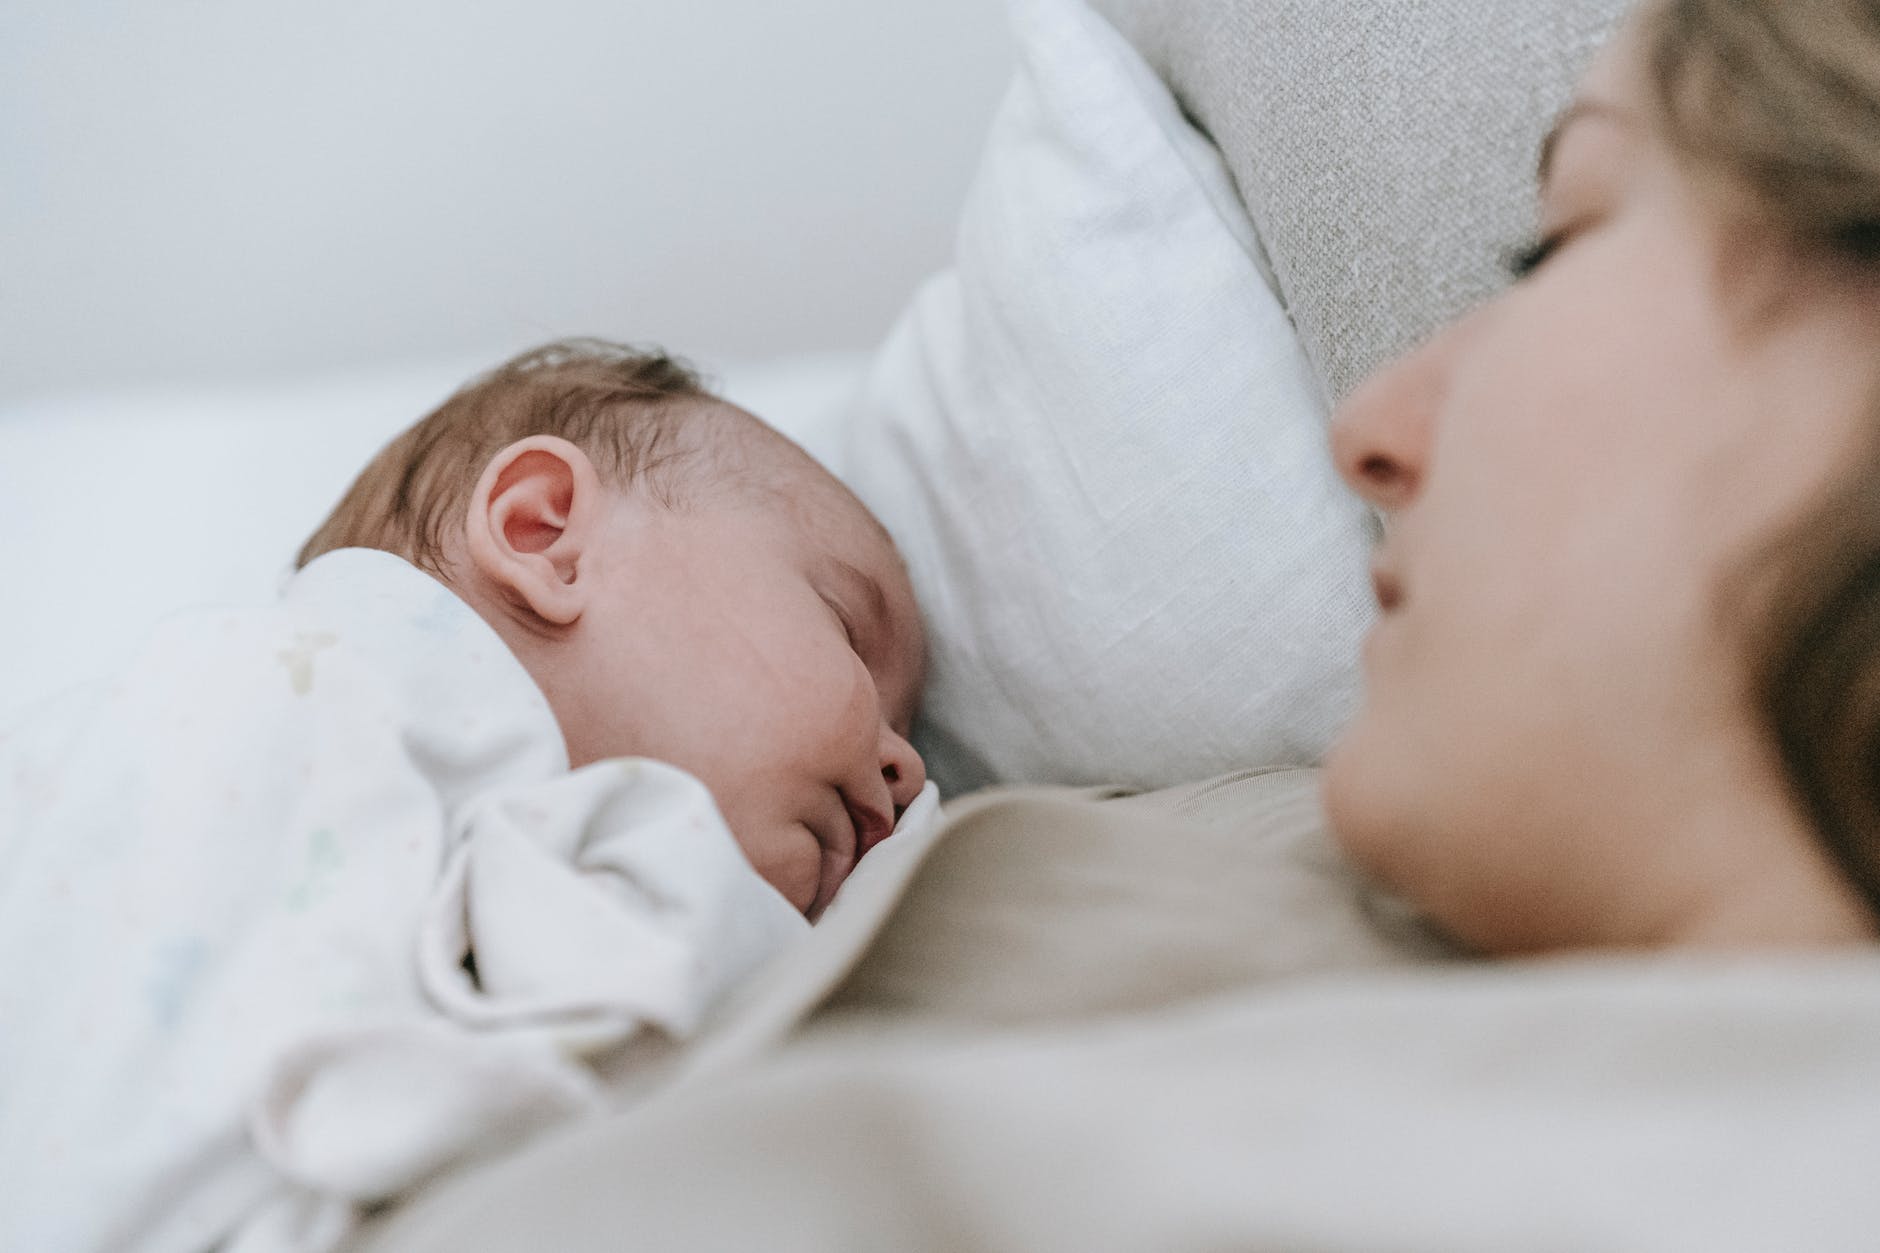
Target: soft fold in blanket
243	889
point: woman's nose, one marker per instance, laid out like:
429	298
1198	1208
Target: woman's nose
1381	434
901	768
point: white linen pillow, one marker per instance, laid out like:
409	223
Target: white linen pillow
1102	450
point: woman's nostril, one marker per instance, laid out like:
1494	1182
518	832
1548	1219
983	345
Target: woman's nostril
891	772
1379	469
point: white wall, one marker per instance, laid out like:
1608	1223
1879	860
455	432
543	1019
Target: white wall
236	189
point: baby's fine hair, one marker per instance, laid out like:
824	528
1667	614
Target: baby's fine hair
625	407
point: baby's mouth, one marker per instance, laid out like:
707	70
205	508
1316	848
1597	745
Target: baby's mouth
871	826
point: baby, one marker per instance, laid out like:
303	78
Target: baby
682	582
589	693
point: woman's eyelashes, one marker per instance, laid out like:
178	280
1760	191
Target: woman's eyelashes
1525	259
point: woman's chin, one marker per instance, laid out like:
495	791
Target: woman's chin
1359	810
1340	780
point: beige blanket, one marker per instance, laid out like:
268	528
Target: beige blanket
1176	1022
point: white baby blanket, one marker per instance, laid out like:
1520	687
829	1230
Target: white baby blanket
238	886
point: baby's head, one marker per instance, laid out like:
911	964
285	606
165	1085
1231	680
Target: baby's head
683	582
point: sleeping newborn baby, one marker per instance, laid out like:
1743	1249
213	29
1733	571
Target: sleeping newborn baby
589	695
681	581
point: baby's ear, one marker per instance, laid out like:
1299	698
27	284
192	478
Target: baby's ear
533	520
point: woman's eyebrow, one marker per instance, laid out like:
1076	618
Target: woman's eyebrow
1578	110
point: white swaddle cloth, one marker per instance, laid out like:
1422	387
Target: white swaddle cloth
307	907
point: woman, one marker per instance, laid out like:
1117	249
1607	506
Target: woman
1619	698
1620	691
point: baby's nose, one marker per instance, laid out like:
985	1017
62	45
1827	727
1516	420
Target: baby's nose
901	769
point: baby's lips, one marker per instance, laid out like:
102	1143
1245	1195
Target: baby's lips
871	827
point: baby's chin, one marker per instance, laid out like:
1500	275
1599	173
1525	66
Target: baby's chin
779	860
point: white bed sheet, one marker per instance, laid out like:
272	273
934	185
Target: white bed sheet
121	507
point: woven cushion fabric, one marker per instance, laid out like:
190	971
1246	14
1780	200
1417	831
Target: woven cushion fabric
1385	149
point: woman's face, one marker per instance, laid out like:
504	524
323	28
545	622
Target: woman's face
1557	745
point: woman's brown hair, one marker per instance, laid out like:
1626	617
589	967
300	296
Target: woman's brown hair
1780	99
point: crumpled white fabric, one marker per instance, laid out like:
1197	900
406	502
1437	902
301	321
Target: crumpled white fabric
594	905
610	897
306	907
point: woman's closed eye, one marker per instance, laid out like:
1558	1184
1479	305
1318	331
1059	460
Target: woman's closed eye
1523	260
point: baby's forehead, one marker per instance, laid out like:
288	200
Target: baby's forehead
816	503
838	521
845	539
751	461
846	547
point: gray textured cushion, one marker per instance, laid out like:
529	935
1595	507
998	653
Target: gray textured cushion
1385	148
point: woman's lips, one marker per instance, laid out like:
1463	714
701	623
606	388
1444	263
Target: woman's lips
1387	587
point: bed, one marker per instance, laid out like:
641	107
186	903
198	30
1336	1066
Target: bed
1046	1033
1098	437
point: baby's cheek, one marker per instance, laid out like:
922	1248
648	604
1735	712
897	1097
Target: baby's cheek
862	709
788	860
